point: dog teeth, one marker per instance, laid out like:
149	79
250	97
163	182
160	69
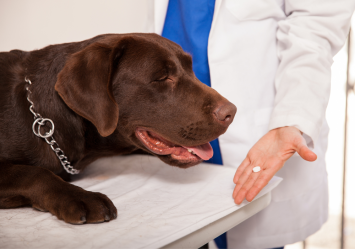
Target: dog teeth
191	151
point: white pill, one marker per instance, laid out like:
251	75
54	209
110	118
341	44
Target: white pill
256	169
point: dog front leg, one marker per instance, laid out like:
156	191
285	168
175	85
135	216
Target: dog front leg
22	185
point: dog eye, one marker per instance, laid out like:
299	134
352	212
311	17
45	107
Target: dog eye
163	79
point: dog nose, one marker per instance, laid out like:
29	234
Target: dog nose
225	113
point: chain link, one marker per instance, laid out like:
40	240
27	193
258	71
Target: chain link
48	136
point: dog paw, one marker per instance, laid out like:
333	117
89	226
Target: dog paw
81	207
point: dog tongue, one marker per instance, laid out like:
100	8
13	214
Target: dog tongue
204	151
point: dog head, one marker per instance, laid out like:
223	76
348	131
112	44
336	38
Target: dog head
143	87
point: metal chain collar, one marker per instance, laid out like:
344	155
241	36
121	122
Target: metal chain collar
48	136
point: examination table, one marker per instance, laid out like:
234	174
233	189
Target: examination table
158	206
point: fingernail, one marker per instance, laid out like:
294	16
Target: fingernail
107	217
83	219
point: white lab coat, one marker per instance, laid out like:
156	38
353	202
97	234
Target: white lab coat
272	59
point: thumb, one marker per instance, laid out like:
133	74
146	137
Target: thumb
305	152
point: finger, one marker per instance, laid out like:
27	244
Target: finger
241	169
259	184
270	169
239	197
305	152
243	178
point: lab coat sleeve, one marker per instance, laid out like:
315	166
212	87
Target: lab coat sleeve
313	32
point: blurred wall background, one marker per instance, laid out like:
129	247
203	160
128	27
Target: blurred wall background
33	24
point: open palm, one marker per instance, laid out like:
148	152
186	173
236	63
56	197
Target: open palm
270	153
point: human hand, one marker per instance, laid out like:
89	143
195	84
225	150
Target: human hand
270	153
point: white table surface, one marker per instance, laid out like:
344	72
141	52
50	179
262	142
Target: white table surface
158	206
202	236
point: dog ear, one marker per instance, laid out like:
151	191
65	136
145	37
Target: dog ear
85	85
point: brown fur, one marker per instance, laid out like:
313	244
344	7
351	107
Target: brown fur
97	92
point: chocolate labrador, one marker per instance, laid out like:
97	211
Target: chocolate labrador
66	105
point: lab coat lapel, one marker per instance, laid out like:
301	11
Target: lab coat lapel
215	15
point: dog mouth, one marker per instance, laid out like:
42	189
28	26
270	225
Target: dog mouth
160	146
